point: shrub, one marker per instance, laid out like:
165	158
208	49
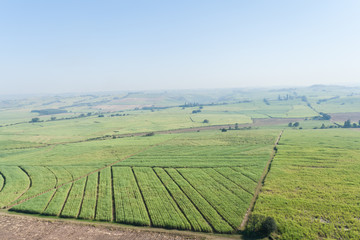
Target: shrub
260	226
268	226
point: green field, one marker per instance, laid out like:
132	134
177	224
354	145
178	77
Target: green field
165	181
149	159
312	189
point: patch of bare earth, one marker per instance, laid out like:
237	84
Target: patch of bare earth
21	227
341	117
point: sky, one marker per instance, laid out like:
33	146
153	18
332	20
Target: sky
85	46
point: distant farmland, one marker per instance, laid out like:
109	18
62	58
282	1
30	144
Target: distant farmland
202	161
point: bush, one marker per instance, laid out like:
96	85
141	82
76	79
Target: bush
268	226
260	226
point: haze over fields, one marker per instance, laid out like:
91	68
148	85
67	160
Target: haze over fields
188	119
82	46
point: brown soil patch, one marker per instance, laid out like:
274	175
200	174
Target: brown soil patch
22	227
341	117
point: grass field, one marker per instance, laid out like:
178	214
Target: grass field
312	188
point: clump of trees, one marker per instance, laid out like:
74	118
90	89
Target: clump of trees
260	226
49	111
295	124
36	119
348	124
323	116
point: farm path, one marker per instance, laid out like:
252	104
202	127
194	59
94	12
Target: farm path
260	184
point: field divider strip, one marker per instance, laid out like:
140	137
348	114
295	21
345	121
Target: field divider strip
233	168
192	228
3	176
252	194
48	203
97	194
56	178
14	203
212	228
230	190
205	199
260	184
83	195
113	196
142	196
67	196
30	184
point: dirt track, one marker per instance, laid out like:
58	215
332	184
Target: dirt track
22	227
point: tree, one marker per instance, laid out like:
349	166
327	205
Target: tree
290	124
296	124
347	124
236	126
53	118
268	226
206	121
36	119
322	126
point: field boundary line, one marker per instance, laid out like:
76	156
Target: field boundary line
224	186
172	197
48	203
260	184
212	228
142	197
82	198
4	182
206	200
56	178
233	168
234	182
30	185
97	194
67	196
113	195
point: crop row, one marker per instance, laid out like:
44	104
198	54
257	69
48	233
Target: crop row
206	200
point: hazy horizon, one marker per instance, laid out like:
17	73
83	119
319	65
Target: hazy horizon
92	46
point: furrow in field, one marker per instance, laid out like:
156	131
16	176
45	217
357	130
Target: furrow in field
229	205
88	207
162	209
219	223
129	204
55	205
104	205
16	183
191	213
72	204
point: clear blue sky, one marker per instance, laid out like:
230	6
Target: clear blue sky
78	46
